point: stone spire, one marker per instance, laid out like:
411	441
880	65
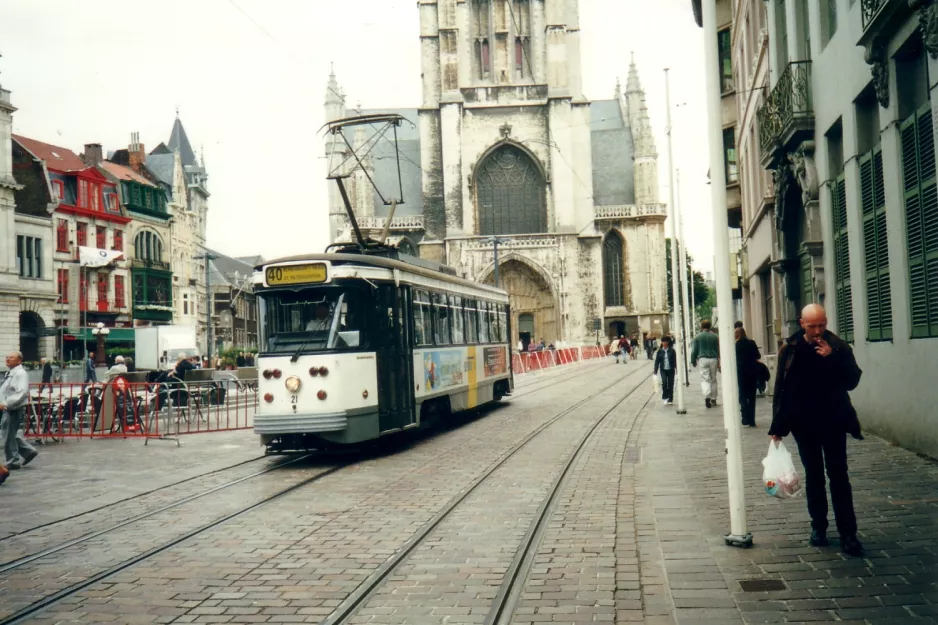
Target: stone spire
335	98
643	139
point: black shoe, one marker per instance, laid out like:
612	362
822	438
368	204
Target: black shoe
29	458
819	539
851	546
707	401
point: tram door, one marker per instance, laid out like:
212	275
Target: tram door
395	358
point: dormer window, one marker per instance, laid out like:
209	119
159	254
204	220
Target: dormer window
83	193
58	191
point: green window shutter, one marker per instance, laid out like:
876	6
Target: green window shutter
921	209
843	288
875	247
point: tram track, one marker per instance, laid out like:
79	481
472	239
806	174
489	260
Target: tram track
125	500
56	597
367	590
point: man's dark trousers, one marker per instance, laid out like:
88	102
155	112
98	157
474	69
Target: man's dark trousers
830	448
667	384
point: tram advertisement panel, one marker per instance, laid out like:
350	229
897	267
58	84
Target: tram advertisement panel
443	369
494	361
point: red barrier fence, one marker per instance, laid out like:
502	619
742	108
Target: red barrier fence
148	410
546	359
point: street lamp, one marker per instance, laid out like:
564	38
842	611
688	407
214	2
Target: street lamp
495	241
100	333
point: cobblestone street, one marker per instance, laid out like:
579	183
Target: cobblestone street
581	499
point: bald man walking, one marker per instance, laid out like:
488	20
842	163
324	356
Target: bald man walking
816	369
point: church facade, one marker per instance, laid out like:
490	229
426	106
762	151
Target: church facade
506	146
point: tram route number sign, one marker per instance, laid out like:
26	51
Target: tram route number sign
296	274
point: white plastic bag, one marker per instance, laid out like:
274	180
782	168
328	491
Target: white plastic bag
778	475
657	382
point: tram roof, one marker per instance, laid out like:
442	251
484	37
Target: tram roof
414	265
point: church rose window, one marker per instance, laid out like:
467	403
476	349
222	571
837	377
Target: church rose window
510	195
612	269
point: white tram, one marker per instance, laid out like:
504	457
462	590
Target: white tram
354	347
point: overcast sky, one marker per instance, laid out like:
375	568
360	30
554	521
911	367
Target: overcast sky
249	79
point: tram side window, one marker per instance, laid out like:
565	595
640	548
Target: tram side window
483	316
472	328
502	323
442	325
423	319
459	337
494	330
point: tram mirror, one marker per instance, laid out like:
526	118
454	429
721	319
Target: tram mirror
350	338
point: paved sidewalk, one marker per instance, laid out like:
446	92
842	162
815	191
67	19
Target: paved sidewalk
689	576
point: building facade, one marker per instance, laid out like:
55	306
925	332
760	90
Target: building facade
846	129
87	213
149	235
506	145
760	280
185	180
234	314
27	288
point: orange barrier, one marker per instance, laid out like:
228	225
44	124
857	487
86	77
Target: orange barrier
149	410
535	361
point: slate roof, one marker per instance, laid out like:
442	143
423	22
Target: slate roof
228	271
613	151
179	141
55	157
162	166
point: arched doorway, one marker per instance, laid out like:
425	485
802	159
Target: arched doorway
529	294
616	329
525	330
510	193
30	326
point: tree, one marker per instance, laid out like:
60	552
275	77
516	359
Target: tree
701	291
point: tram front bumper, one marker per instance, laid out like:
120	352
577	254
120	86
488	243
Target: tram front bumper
300	424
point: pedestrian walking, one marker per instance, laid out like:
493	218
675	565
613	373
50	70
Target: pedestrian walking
666	363
706	353
90	375
747	375
46	374
816	371
633	347
614	348
14	394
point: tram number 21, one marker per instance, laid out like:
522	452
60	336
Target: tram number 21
293	399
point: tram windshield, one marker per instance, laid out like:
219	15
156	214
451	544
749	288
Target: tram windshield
312	320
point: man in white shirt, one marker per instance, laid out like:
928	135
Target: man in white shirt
14	393
119	368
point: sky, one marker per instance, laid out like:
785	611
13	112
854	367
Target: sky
249	76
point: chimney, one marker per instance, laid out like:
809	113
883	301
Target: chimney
135	152
93	154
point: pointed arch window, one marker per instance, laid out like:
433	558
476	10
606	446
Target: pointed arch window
613	279
511	194
482	22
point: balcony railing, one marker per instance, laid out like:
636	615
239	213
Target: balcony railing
790	107
870	9
631	211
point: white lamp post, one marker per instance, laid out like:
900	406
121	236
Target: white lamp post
100	332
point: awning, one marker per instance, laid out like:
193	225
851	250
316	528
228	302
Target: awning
123	335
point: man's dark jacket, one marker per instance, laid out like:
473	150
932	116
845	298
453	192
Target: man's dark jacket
47	373
659	359
845	376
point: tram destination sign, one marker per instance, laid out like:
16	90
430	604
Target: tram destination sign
312	273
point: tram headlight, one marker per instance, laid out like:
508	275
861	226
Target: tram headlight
323	371
293	384
277	373
321	395
314	371
267	374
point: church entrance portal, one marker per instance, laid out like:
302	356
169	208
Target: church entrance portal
533	309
